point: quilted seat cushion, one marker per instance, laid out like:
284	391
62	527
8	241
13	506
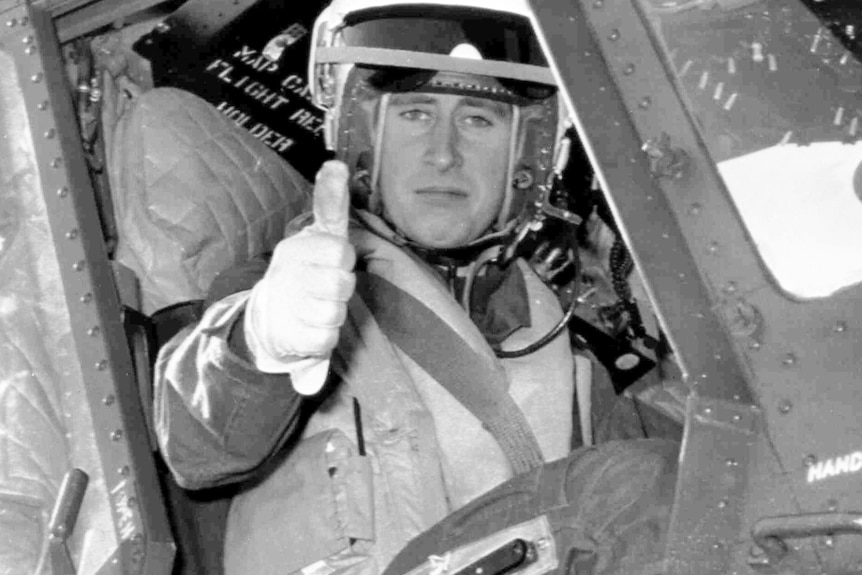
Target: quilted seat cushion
193	195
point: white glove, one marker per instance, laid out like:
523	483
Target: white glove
297	309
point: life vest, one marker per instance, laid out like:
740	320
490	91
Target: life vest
328	508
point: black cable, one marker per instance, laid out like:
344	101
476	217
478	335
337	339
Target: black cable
544	340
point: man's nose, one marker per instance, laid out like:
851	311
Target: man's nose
443	148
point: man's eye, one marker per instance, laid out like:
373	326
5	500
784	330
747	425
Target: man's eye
415	115
478	121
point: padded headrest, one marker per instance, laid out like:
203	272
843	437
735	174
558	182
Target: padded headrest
193	195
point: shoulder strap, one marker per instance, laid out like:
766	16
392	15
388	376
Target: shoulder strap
472	379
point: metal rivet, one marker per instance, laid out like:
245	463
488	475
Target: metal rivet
102	365
57	162
79	265
50	134
731	287
809	460
37	77
72	234
94	331
598	4
629	69
840	327
543	543
614	35
713	248
723	504
737	418
117	434
163	27
109	399
27	40
30	50
87	298
716	545
784	406
43	105
789	360
731	462
645	103
124	470
12	23
707	411
695	209
829	541
756	551
63	192
755	345
737	397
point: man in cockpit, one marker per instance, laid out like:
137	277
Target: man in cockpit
354	377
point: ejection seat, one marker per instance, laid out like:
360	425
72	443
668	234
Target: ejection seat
192	195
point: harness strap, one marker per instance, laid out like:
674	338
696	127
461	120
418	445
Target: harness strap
474	380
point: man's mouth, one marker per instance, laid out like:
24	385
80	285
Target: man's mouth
442	194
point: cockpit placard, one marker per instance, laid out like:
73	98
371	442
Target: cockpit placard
253	71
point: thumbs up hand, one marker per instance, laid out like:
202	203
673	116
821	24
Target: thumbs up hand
297	309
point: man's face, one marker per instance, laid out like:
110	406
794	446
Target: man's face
443	166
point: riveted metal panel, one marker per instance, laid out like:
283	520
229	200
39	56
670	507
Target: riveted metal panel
664	258
801	357
119	433
719	442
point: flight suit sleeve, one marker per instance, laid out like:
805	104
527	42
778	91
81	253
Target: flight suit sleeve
217	417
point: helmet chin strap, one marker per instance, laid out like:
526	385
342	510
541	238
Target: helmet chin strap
460	256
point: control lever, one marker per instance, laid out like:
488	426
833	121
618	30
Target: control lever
769	533
63	519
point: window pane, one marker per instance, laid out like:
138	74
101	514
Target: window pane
774	87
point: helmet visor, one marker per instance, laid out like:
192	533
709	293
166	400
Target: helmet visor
451	39
496	36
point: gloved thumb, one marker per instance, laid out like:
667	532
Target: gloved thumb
332	199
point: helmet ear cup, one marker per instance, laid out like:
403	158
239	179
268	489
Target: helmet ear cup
355	123
360	181
533	157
